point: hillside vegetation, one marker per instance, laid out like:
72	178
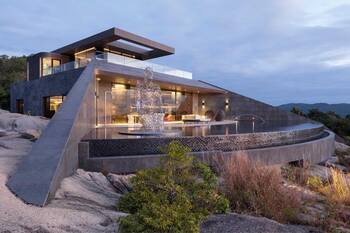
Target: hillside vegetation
12	69
339	125
340	109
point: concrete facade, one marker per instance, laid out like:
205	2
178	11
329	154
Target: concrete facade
32	92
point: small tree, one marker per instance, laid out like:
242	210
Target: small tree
297	111
172	198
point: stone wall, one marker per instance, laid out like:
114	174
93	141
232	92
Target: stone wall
314	151
231	142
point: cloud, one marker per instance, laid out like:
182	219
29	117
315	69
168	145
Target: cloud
272	50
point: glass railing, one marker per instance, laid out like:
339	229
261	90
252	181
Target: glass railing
131	62
65	67
120	60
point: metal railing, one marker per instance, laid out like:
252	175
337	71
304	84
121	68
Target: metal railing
120	60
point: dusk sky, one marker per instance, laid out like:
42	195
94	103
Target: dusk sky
276	51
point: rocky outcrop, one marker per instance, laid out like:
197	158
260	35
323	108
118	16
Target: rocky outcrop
321	171
228	223
341	146
341	159
120	182
29	127
85	202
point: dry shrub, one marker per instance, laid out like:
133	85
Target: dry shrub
298	173
314	183
254	188
337	189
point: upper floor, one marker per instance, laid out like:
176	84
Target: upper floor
113	45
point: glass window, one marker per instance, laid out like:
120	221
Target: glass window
48	65
120	105
56	62
52	104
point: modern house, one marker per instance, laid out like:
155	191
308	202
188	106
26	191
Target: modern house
89	89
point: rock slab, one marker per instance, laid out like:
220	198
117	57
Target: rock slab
229	223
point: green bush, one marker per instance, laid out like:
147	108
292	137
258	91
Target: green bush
12	69
172	198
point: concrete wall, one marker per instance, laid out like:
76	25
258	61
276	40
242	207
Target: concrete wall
33	92
314	151
55	154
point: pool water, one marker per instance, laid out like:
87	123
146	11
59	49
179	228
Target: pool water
200	130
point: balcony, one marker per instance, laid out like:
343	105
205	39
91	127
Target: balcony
65	67
120	60
131	62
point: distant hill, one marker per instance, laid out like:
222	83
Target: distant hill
340	109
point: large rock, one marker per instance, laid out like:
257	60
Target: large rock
2	133
341	146
229	223
7	120
120	182
320	171
30	127
337	166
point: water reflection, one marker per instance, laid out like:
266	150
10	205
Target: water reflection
203	130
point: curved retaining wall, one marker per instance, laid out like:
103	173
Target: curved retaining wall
232	142
314	150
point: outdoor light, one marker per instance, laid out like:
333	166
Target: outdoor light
226	104
203	103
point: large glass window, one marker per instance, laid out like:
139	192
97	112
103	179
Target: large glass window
120	105
52	104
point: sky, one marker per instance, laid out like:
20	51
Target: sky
276	51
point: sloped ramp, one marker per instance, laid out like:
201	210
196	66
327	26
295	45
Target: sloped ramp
55	154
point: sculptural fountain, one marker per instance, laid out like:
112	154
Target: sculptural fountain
149	103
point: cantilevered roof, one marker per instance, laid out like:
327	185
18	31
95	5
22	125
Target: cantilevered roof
121	41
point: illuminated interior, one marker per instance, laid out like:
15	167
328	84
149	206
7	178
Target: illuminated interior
52	104
120	105
48	64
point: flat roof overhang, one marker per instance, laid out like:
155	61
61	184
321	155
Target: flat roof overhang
118	40
128	75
